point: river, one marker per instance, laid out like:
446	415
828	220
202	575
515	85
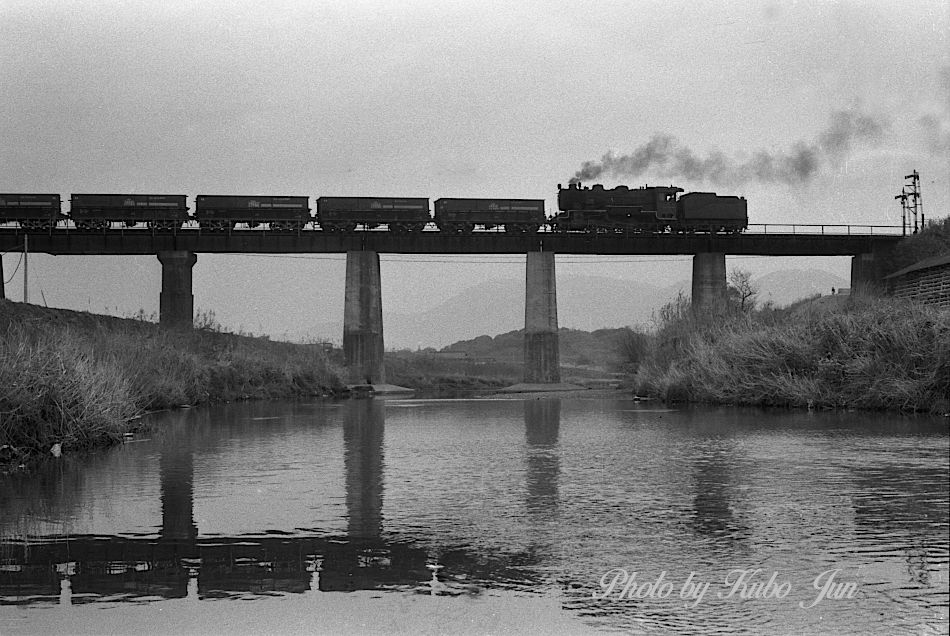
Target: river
477	516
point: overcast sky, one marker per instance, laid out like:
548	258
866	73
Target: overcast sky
457	99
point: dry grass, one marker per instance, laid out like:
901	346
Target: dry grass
419	371
870	353
77	379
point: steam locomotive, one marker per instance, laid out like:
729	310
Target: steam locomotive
646	209
585	209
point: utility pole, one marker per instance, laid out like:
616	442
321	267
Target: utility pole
3	293
911	204
26	268
914	205
903	199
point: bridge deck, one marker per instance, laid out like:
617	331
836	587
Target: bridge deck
140	241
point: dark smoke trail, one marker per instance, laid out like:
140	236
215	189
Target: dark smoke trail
664	157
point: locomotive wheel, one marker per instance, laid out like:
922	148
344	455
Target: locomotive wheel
532	228
131	223
277	226
397	228
466	228
416	227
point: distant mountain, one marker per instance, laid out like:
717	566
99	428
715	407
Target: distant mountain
601	347
584	302
497	306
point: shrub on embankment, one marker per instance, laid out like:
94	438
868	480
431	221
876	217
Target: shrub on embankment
430	373
77	379
860	352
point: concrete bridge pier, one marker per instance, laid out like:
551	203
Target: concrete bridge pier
709	281
363	320
541	348
176	302
867	271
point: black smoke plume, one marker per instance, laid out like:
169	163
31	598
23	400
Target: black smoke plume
664	157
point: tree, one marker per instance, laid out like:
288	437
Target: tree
742	292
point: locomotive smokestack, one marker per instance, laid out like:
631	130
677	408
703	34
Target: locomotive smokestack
664	157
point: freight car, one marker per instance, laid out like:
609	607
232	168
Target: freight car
343	214
218	213
31	211
461	216
99	211
647	209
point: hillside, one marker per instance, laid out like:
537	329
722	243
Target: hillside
585	303
599	348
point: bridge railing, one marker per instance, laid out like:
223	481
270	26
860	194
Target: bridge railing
823	229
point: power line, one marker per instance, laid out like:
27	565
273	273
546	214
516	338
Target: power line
18	248
15	270
516	259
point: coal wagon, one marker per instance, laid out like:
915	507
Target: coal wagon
281	213
462	216
344	214
31	211
99	211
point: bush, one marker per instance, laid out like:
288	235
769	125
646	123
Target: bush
867	353
77	379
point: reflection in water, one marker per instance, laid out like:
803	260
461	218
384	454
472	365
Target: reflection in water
714	474
542	421
176	472
363	427
716	466
908	501
535	496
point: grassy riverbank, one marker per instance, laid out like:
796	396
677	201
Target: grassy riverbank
78	379
861	351
436	375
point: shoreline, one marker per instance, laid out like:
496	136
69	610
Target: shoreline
74	380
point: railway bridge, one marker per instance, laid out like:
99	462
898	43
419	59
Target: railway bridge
363	322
